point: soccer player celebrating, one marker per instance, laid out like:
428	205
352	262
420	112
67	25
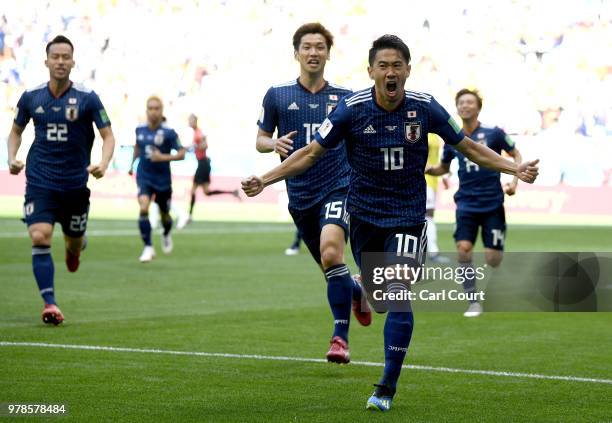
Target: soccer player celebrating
317	196
202	174
480	198
58	164
385	130
154	144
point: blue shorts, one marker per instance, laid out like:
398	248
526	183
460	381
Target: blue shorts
493	227
367	238
69	208
376	247
309	222
161	197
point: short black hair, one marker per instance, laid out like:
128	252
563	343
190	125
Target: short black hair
389	41
60	39
473	92
312	28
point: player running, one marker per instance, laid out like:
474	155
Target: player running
154	144
385	129
317	197
58	165
202	174
480	198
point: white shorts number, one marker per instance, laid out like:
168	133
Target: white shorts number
333	210
78	223
28	209
407	245
498	237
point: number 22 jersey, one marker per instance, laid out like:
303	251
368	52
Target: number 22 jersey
63	135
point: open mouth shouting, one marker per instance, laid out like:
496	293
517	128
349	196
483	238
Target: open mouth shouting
391	88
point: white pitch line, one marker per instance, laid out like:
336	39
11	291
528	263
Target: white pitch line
303	360
134	232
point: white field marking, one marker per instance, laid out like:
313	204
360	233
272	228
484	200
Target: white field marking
302	360
134	231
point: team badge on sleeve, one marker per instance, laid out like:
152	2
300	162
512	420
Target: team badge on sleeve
104	116
412	131
72	113
454	125
326	126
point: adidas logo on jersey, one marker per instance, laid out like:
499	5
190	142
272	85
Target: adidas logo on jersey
369	130
39	109
293	106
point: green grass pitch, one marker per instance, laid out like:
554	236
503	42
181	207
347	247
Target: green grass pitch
228	288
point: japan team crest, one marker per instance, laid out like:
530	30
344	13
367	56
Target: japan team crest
412	131
72	113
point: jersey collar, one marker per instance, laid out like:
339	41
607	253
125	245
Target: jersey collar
475	129
378	106
62	93
308	91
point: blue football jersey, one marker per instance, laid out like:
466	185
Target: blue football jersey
387	152
290	107
164	139
479	188
63	135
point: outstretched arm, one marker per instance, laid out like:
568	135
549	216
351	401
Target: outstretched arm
510	187
294	165
13	143
484	156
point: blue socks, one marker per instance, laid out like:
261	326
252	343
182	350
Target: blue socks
357	292
398	331
469	284
145	229
339	295
167	224
44	271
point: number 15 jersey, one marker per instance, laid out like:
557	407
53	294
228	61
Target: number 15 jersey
291	107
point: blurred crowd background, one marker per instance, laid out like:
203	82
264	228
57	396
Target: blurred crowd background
544	68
